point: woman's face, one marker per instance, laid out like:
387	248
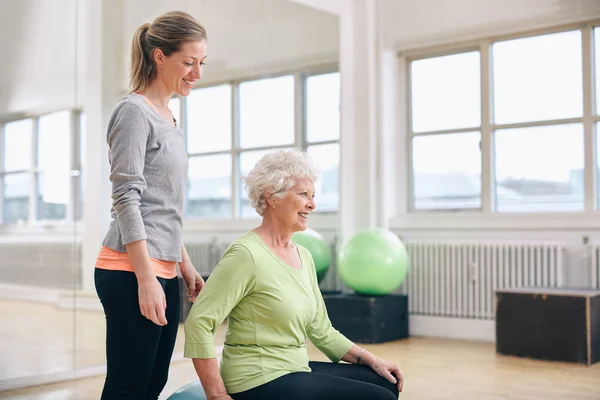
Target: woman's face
293	210
180	71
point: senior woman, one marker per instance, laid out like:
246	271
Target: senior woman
267	287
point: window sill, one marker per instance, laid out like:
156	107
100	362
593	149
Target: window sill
474	220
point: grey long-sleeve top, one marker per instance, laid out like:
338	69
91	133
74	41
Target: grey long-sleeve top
148	171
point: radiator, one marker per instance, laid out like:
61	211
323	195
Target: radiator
458	280
205	256
595	266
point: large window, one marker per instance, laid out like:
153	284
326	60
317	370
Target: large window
267	112
267	108
538	80
539	168
54	164
37	156
445	131
230	127
208	121
531	113
17	156
322	135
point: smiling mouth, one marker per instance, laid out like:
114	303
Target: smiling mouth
303	215
189	83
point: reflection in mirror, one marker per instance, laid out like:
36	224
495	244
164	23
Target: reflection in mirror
271	80
39	251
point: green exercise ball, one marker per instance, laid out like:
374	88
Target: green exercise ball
318	248
373	262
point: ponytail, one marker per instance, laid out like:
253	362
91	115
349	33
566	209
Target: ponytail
142	66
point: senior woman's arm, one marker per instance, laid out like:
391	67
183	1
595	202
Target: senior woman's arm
231	280
320	331
337	347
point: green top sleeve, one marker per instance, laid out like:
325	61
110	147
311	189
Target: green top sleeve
231	280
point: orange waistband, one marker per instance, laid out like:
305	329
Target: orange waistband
117	261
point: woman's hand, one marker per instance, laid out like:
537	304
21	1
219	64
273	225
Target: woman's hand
193	281
152	300
390	371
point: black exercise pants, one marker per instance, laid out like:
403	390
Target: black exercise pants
327	381
138	352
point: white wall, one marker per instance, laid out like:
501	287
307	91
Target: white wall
41	44
38	68
249	38
410	24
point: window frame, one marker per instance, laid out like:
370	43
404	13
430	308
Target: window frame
488	126
73	214
300	135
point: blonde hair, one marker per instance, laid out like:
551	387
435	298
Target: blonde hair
276	173
167	33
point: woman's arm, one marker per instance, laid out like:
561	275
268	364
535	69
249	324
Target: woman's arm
153	303
231	280
337	347
193	280
387	369
127	137
210	378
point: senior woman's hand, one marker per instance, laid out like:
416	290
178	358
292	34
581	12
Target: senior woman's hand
389	370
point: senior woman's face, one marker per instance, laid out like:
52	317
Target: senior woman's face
295	207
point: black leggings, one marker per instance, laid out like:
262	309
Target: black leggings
327	381
138	352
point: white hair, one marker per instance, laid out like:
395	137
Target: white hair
276	172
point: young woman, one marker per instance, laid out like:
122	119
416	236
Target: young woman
136	275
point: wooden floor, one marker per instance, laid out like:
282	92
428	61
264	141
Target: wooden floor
434	369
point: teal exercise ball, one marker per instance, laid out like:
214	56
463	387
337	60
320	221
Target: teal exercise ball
373	262
318	248
191	391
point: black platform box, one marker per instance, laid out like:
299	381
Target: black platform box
368	319
549	324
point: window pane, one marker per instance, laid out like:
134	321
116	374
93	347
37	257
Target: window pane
17	145
54	164
538	78
248	160
539	169
209	119
267	112
323	107
175	107
209	187
597	64
16	198
446	171
446	92
327	157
